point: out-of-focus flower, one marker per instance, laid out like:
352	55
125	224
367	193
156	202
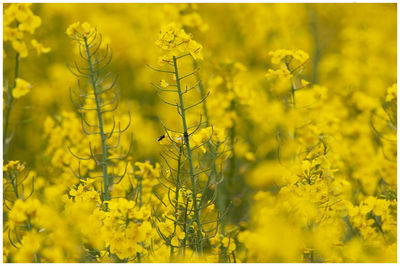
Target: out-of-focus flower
22	88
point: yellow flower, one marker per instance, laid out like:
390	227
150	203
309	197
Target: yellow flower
9	15
279	73
22	12
391	93
12	34
39	47
175	241
194	20
21	89
174	41
78	30
20	48
194	48
218	134
286	56
31	243
304	83
11	165
179	233
18	212
381	207
30	24
300	56
250	156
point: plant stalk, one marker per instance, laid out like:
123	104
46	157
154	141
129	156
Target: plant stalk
189	155
202	93
101	127
10	100
177	187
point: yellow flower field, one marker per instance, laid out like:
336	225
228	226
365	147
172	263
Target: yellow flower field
199	132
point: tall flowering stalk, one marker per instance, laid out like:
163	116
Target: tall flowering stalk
19	25
291	64
99	97
176	44
174	41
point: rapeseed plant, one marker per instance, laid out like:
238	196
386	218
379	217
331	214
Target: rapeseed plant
191	141
101	98
18	180
275	142
20	22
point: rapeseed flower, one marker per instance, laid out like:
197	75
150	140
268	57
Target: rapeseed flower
22	88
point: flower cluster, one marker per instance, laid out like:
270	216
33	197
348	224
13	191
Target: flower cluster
281	146
79	30
18	21
175	42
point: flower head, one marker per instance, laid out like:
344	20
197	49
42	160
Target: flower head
391	93
26	22
291	59
39	47
30	23
174	42
22	88
80	30
20	48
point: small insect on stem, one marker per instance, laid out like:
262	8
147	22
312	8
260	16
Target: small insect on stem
161	137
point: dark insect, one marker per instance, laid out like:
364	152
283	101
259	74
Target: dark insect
161	137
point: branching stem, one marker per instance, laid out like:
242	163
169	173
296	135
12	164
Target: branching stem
103	137
190	161
177	188
202	92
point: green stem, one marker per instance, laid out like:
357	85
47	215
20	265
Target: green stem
212	172
293	86
10	100
189	156
294	102
141	192
138	191
232	166
293	93
185	227
220	199
15	186
177	187
38	257
101	127
202	92
234	257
